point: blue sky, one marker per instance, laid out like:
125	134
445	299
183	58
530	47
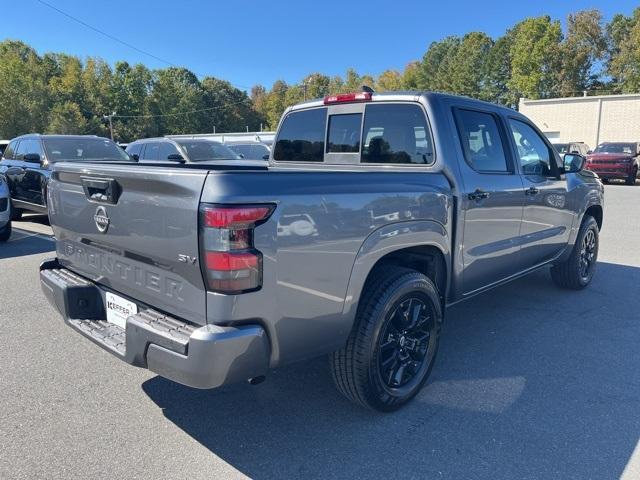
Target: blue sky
259	42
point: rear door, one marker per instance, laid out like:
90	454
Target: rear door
133	230
492	200
547	216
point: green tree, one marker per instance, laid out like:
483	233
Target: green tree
411	76
24	95
535	57
389	80
623	35
496	73
66	119
176	99
275	103
231	108
583	46
437	64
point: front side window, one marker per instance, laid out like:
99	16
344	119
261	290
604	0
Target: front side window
134	149
167	149
535	157
301	137
10	151
481	141
344	133
396	133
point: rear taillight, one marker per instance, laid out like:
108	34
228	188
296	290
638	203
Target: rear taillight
230	262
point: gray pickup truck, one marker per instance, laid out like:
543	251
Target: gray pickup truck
373	214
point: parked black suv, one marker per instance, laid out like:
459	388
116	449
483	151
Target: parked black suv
27	164
183	150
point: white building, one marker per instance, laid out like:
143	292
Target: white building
593	120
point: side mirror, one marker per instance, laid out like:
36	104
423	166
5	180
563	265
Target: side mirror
135	156
32	158
573	162
175	157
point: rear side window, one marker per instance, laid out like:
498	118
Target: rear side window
301	137
481	141
396	133
344	133
151	151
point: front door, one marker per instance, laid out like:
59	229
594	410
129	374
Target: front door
547	217
492	200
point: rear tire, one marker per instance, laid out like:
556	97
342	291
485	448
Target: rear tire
5	232
578	270
631	179
392	347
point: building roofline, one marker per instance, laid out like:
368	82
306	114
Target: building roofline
578	99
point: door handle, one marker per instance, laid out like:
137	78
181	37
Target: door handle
478	195
531	191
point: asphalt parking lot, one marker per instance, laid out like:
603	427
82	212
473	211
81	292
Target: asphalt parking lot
531	382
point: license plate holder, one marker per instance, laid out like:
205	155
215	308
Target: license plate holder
118	309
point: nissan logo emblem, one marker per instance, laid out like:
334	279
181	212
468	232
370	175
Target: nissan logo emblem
102	219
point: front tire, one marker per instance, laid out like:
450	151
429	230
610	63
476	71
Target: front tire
578	270
16	213
392	347
631	179
5	232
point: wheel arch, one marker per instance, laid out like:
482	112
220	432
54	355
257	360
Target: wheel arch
420	245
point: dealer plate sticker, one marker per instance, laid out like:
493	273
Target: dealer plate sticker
118	309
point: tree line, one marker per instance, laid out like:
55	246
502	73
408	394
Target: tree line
59	93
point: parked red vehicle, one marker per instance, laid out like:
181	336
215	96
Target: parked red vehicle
615	160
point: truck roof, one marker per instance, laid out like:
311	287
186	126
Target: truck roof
406	96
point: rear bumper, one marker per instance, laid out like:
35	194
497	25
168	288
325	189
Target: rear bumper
200	357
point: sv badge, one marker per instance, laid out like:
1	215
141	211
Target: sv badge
187	259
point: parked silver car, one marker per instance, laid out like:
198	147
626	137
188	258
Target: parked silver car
5	210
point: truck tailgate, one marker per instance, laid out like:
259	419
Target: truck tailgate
132	229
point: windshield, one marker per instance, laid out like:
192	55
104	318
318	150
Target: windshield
561	147
83	148
615	148
201	150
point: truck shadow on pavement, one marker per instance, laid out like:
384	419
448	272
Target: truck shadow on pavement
531	382
24	242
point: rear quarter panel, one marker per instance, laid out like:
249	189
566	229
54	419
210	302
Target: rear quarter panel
328	230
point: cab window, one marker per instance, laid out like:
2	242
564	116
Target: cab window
344	133
481	141
396	133
301	137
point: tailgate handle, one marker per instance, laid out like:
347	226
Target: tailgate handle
104	190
